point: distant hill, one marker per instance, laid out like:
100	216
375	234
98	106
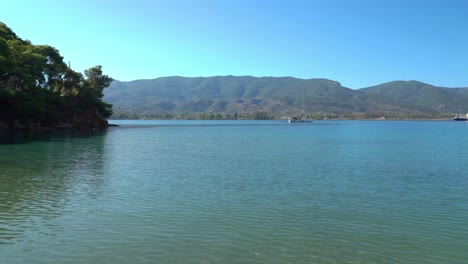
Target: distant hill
421	97
279	96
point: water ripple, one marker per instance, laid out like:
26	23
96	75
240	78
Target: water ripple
236	194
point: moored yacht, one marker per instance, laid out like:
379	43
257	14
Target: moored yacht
460	118
299	119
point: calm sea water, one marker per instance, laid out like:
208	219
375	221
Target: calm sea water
238	192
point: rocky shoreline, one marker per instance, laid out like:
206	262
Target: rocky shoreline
83	121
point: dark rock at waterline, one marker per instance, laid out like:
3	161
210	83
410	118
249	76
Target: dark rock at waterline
91	120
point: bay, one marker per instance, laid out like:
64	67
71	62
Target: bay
237	192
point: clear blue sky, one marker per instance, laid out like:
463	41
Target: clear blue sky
356	42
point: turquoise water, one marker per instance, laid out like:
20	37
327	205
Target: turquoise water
238	192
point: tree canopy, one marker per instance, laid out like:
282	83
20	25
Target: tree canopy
36	85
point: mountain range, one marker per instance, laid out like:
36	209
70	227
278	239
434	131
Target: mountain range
280	96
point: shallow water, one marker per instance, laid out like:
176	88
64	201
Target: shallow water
238	192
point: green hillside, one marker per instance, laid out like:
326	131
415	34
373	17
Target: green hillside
421	97
280	96
230	94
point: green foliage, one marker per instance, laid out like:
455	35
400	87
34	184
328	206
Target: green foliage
209	116
36	86
6	105
29	105
105	109
260	115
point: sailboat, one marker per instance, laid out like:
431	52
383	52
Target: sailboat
460	118
300	118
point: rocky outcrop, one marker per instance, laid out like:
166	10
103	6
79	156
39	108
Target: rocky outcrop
86	120
91	120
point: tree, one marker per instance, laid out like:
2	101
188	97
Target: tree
93	87
96	81
54	68
260	115
36	86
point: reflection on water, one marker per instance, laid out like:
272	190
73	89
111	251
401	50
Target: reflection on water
7	138
39	174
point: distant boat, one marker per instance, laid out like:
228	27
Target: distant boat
298	119
301	118
460	118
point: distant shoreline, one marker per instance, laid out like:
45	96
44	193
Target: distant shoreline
4	128
282	119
